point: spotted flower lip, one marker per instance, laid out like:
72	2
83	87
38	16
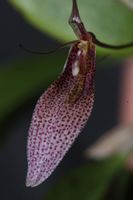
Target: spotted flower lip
63	109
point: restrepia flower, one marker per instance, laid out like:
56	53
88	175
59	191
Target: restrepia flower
64	108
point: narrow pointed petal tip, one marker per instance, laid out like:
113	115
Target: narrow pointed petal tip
30	182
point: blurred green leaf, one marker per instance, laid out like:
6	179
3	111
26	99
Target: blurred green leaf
22	79
110	20
89	182
121	186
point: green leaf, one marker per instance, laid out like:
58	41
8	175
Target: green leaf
110	20
23	79
88	183
121	186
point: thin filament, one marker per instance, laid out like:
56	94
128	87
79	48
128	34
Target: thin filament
108	46
46	52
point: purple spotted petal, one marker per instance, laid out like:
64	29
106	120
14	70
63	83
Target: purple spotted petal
60	114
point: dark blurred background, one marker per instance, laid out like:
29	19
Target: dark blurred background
13	29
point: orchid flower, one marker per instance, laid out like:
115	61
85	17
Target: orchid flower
64	108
